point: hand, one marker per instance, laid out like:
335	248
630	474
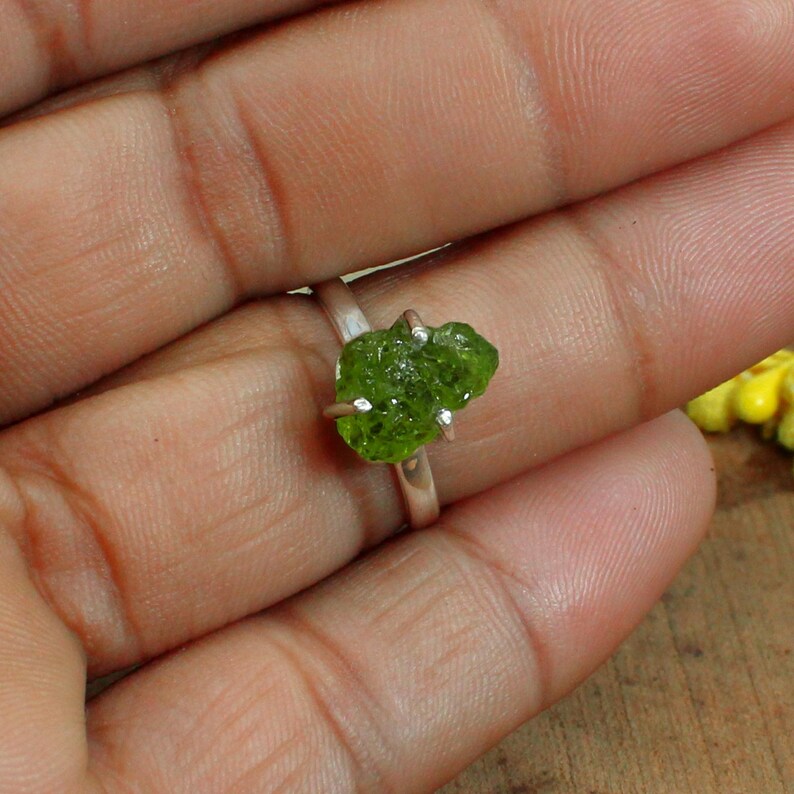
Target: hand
194	508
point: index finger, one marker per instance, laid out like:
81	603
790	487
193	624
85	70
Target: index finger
46	45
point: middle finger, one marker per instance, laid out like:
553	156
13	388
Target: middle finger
362	134
208	486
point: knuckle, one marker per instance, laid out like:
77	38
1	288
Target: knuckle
628	296
230	184
340	696
64	534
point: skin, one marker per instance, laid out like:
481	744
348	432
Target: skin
621	175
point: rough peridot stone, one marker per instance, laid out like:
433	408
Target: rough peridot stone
408	384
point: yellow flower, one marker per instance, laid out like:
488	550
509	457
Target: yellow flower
762	395
758	397
713	412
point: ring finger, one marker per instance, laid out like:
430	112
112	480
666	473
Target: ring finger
205	488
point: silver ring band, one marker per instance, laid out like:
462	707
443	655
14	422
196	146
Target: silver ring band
413	474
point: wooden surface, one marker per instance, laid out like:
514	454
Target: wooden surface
701	698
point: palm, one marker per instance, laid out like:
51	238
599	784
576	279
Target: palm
155	514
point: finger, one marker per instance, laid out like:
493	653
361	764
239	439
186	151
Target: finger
209	486
136	218
398	672
42	680
46	45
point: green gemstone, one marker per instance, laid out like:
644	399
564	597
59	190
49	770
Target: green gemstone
408	384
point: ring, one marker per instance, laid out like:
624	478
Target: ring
397	389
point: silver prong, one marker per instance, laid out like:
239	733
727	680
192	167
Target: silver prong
419	330
360	405
446	421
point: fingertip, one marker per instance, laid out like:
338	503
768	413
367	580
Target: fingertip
697	474
597	535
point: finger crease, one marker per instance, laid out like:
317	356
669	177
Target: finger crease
274	189
51	30
537	97
501	575
344	673
192	181
88	518
628	301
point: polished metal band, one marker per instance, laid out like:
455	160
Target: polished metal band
413	474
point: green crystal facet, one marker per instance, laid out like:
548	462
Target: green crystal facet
408	384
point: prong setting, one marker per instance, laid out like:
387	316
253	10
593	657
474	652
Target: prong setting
361	405
419	331
446	421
